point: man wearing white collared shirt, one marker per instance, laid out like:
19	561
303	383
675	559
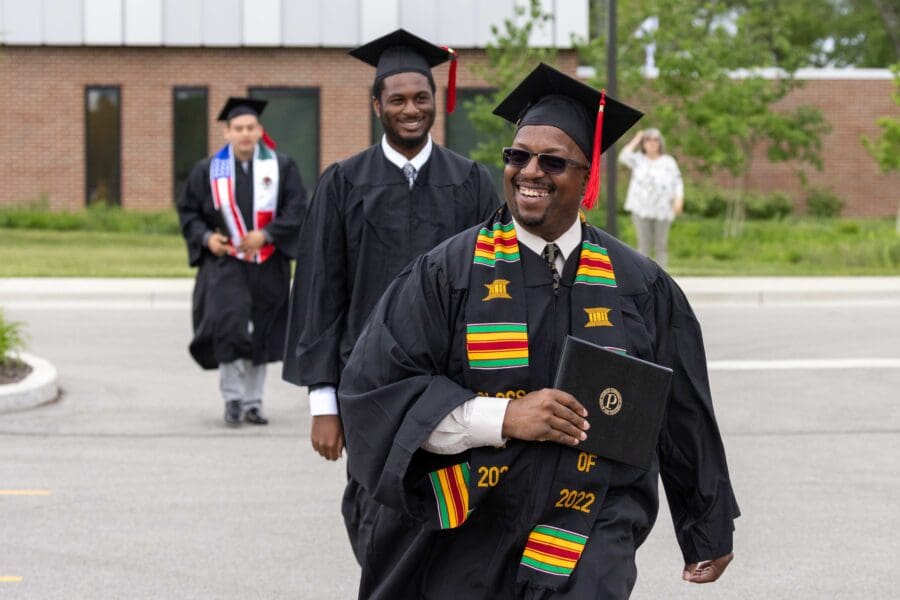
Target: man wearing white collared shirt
479	422
370	216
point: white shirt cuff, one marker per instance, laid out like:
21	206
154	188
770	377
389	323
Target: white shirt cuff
486	421
323	401
477	422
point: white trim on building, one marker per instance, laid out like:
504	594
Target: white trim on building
274	23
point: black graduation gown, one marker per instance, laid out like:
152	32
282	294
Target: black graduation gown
405	375
229	293
365	225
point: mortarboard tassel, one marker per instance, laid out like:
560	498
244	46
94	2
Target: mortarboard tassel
268	141
451	80
592	189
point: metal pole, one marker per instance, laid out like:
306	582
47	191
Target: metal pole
611	201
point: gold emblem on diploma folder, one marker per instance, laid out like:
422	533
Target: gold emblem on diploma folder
610	401
497	290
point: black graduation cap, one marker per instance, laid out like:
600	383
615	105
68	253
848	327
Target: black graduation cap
402	52
236	107
592	119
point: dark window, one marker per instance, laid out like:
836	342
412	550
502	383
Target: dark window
292	119
190	132
103	135
461	135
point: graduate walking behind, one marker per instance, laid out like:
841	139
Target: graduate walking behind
241	212
466	475
372	214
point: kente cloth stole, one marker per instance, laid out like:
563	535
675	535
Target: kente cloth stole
265	196
497	345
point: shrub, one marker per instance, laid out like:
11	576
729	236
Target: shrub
823	203
705	200
12	339
96	217
767	207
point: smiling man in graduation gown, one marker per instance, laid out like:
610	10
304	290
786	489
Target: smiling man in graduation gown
466	478
241	212
372	214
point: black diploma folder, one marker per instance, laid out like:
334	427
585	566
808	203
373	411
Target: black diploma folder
625	398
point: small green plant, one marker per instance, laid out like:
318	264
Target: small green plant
12	339
823	203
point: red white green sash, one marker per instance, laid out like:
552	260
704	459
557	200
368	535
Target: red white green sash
265	196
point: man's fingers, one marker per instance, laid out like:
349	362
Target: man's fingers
569	401
565	427
570	416
706	571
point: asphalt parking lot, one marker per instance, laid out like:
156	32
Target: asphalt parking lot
130	485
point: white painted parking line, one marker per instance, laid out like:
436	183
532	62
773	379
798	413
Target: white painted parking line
804	364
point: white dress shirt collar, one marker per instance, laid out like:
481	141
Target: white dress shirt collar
398	159
566	243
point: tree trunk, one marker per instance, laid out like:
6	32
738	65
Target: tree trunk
898	217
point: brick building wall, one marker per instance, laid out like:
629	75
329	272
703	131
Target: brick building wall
851	107
43	137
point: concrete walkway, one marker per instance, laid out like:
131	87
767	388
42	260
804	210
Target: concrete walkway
176	293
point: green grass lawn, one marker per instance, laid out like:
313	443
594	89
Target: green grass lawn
44	253
794	246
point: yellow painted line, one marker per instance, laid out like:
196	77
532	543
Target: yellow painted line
25	492
10	579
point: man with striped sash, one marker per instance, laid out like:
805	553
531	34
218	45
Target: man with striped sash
466	478
240	214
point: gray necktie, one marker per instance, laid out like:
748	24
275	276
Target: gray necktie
549	254
410	172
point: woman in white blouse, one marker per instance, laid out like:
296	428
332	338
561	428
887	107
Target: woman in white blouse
655	192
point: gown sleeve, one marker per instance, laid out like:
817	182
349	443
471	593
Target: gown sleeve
691	454
292	205
392	394
320	293
190	212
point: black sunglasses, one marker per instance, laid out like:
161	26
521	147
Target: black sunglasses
548	163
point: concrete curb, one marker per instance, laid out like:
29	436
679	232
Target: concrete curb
39	387
175	294
791	290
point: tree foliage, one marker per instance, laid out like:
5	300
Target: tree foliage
709	94
509	60
886	147
862	33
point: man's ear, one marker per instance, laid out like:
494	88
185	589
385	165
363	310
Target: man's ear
376	106
225	131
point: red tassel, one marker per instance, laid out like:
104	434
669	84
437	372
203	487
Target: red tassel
451	80
268	141
592	189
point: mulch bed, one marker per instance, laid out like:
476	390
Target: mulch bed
13	370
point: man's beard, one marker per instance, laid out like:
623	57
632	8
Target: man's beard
400	141
531	222
408	143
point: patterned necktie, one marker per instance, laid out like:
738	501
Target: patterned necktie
410	171
550	252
